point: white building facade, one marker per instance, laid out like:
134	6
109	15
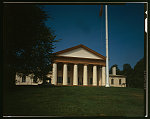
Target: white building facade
81	66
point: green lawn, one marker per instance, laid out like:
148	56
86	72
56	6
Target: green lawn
74	101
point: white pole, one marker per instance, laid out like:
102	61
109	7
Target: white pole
107	66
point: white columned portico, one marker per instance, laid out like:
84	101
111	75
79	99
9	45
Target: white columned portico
103	75
75	74
65	75
94	75
54	81
85	75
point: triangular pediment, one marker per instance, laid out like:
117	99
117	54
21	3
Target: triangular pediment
80	51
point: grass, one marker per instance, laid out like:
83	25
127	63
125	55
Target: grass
74	101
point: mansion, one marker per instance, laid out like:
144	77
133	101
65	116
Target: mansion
77	66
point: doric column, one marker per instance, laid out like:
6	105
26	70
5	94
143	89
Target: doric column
75	74
54	81
103	76
94	75
65	75
85	75
100	76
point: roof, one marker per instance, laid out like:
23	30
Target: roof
81	46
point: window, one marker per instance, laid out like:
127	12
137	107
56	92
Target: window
59	67
91	80
119	81
91	69
112	81
23	78
34	79
59	79
68	68
81	83
68	80
78	81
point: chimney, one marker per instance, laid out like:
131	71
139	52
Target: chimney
114	70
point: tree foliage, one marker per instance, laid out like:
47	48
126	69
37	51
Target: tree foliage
28	43
138	74
128	72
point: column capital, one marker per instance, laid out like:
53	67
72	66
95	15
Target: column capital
103	66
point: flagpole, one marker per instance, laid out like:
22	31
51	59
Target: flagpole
107	66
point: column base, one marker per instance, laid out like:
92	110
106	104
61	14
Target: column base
85	84
94	85
65	84
75	84
107	85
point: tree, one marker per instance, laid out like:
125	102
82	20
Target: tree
28	43
138	74
128	72
135	77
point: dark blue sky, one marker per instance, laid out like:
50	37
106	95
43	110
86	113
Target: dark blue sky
81	24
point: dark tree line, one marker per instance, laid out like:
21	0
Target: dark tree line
134	76
28	43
